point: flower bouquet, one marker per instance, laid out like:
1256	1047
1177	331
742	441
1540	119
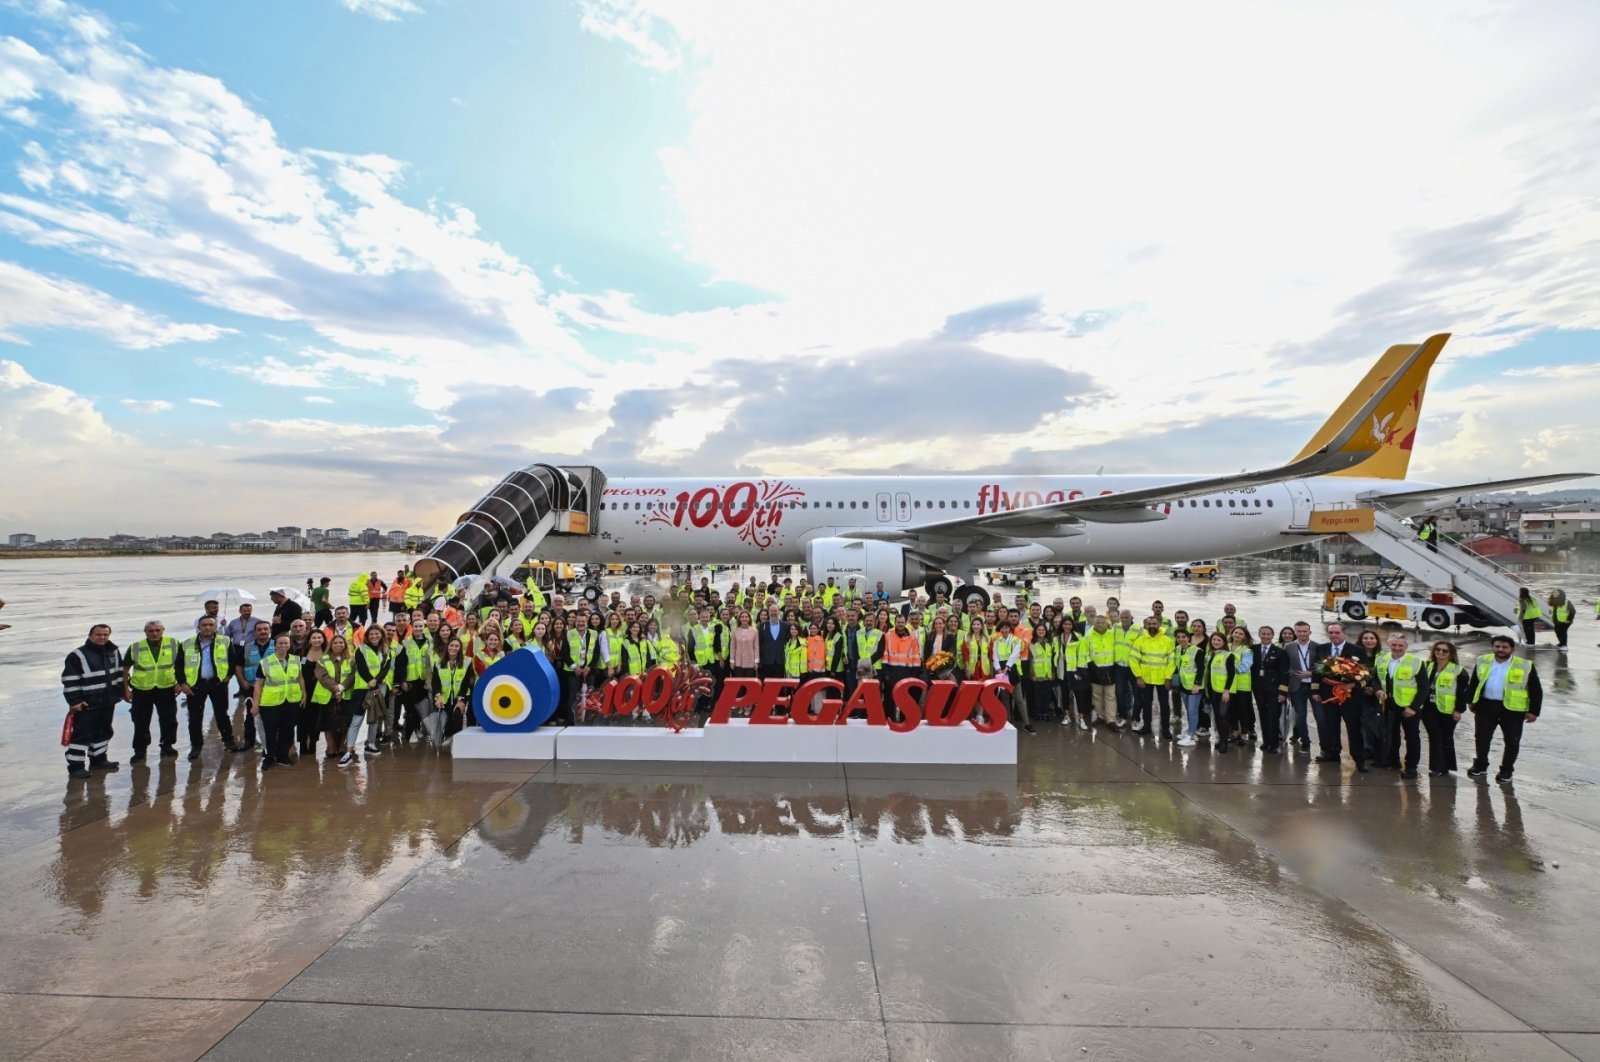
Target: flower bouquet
1339	676
940	665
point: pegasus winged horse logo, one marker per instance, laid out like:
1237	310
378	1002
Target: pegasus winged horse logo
1384	430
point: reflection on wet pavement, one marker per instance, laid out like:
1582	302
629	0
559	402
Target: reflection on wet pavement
1110	897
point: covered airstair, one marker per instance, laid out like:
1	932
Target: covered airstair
1477	579
507	524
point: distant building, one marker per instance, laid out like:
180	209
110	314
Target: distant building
334	534
295	531
22	539
371	536
313	536
256	542
1546	531
396	538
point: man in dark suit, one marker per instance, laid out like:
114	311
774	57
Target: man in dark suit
772	637
1269	682
1329	713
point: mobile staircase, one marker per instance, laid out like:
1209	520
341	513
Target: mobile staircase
508	523
1491	587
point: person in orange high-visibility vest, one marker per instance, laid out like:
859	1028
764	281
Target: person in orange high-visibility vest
902	657
816	653
397	593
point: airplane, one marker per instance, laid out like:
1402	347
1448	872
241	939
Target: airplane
936	532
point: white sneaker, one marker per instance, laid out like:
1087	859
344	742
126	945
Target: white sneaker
1186	742
1122	724
347	759
1082	725
1138	728
1204	731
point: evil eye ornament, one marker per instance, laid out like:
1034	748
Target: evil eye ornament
518	693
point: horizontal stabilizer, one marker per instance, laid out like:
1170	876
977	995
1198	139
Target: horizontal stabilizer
1463	489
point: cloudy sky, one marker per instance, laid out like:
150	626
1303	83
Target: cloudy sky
347	261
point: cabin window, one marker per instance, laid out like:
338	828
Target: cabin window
1269	503
1258	503
1232	503
1207	503
917	503
852	505
967	504
941	505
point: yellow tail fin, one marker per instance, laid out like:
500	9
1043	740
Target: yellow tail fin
1393	426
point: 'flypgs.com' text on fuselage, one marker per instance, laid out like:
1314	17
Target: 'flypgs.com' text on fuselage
770	519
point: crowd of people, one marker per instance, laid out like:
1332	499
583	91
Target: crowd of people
400	660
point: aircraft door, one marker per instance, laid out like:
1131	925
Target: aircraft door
884	504
902	508
1300	503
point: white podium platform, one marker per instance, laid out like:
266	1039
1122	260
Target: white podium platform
475	743
860	742
738	741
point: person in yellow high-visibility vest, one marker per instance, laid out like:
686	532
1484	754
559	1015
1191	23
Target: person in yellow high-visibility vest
279	691
356	593
1006	650
1102	670
1561	614
1153	657
152	686
1528	614
1505	694
1447	687
1399	689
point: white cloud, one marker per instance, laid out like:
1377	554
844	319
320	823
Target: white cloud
208	402
30	300
50	437
383	10
1556	372
632	24
168	174
319	400
1249	179
150	405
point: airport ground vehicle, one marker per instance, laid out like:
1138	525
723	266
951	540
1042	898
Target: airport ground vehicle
1060	569
1013	576
1380	597
1204	569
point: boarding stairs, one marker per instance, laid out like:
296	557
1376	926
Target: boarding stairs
1490	586
508	523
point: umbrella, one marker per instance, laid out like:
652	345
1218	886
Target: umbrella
228	597
464	582
433	723
293	595
505	581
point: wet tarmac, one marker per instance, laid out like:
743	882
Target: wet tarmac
1111	897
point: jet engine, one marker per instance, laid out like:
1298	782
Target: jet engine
866	561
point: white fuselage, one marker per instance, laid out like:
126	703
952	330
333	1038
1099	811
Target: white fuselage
770	520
